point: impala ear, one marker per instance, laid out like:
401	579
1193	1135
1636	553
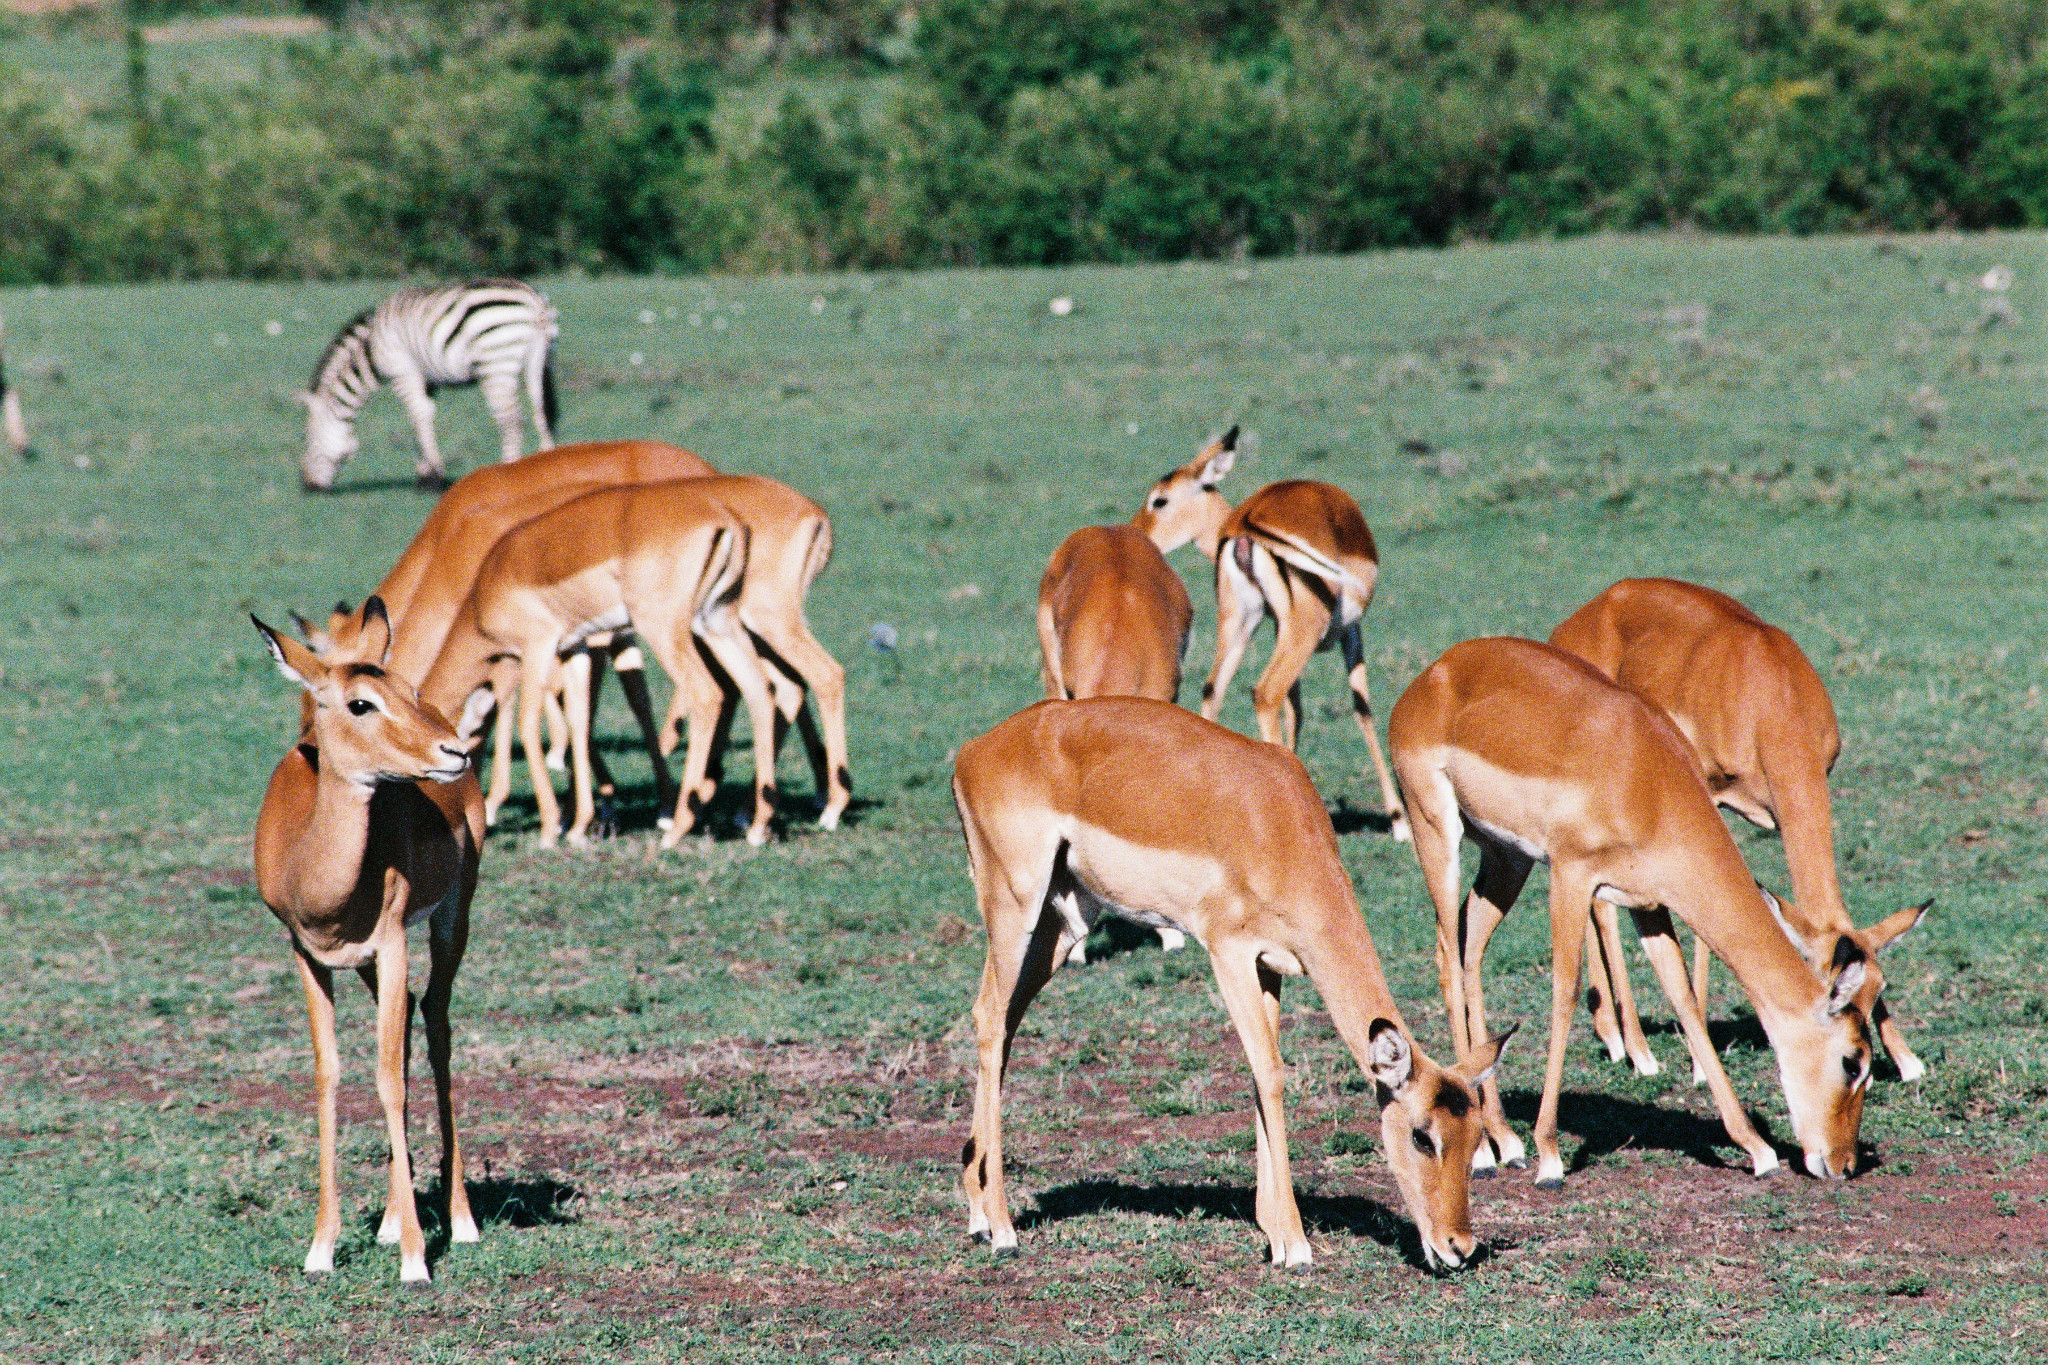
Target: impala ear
375	632
1392	1060
293	659
1777	909
1478	1070
469	728
1894	926
1846	970
1220	456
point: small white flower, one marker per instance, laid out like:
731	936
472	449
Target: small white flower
1130	428
718	323
636	359
817	306
273	328
1061	306
1997	279
696	319
646	317
220	338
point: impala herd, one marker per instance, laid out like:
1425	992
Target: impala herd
1604	752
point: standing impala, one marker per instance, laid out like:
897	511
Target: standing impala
373	820
1134	807
1759	720
1298	551
1530	753
665	558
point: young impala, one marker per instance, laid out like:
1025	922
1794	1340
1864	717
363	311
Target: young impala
1298	551
1136	808
1760	722
1531	754
372	821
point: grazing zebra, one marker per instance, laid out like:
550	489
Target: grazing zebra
491	333
10	405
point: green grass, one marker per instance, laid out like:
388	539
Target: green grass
713	1099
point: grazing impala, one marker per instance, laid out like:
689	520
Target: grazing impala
1113	621
666	558
1134	807
1298	551
1530	753
373	820
1760	722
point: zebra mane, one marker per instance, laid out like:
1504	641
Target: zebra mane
357	326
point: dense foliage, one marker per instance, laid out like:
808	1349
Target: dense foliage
549	134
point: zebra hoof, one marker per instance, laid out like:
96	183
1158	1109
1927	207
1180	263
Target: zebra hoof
432	483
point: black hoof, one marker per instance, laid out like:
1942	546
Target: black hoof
1299	1268
980	1238
416	1286
1005	1253
1520	1163
1484	1172
1550	1184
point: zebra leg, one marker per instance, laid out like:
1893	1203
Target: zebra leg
412	391
539	382
501	395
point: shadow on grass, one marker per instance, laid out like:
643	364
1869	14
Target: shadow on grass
1348	1215
1348	820
407	485
534	1203
1604	1124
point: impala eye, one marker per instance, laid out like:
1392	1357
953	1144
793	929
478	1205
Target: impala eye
1852	1069
360	706
1422	1142
1158	502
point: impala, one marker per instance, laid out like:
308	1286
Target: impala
1760	722
1298	551
1113	621
1532	754
666	558
1136	808
476	512
371	821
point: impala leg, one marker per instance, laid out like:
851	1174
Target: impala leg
1911	1068
730	647
554	718
632	670
696	703
1239	609
1361	710
412	392
1496	887
1702	973
394	1015
577	678
1022	956
1276	697
1604	939
447	940
533	689
1600	988
607	819
1571	897
504	685
319	985
1660	945
1252	995
817	670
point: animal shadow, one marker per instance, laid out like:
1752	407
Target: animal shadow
1347	1214
494	1203
1347	819
1605	1124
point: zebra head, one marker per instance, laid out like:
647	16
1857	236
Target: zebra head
330	440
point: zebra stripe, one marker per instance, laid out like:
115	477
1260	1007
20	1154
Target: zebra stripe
496	334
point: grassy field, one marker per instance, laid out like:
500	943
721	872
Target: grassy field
714	1098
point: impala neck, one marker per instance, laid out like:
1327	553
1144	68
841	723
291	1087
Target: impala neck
462	666
327	856
1773	971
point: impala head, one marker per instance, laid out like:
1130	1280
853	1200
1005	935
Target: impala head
1820	948
1185	505
1824	1059
369	725
1430	1126
330	440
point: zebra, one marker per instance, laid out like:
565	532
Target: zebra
10	405
491	333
